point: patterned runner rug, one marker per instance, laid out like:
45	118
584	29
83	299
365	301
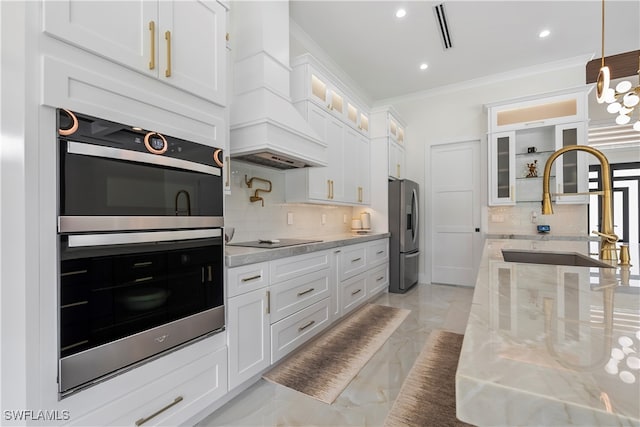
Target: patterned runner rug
324	368
428	394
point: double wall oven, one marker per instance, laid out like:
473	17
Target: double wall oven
140	218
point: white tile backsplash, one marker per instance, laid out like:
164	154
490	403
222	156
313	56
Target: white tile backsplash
567	220
252	221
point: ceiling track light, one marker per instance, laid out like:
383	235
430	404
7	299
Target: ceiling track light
624	100
441	17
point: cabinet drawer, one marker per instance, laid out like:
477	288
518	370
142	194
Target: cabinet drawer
378	252
352	261
294	330
377	279
192	388
298	293
287	268
353	292
247	278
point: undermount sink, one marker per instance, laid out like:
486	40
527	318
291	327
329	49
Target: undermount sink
552	258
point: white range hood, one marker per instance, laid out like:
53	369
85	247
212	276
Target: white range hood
265	126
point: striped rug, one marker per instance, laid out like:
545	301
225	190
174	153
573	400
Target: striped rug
428	394
325	367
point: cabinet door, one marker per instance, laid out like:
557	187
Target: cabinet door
122	31
364	170
572	174
192	47
396	160
352	159
326	183
501	168
248	332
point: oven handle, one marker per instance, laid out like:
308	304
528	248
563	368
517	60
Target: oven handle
83	240
74	147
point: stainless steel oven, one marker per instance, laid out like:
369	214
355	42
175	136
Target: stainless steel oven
141	255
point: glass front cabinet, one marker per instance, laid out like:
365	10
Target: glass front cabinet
523	134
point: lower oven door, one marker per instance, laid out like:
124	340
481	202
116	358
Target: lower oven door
123	303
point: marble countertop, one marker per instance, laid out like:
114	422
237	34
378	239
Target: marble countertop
551	345
237	255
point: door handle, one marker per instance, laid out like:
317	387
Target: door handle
152	35
167	37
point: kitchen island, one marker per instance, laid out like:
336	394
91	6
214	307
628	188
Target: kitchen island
551	344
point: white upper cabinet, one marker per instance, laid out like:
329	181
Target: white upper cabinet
179	42
387	128
344	126
523	134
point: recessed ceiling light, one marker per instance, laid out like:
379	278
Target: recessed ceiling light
544	33
401	13
423	66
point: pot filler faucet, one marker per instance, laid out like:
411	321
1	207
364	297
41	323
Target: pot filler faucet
607	237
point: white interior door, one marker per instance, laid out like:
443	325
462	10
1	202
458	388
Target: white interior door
455	212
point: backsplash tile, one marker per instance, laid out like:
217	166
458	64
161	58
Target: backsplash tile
567	220
252	221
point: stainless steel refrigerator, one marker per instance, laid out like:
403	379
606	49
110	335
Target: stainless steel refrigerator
404	243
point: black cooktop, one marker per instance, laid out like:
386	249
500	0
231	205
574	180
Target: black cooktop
275	243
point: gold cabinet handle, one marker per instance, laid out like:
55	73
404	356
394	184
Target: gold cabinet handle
167	37
356	259
152	35
331	189
302	328
380	278
398	169
356	292
247	279
158	412
360	194
328	189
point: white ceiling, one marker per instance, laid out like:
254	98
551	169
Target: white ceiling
382	53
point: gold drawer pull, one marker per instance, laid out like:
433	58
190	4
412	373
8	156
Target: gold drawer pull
247	279
158	412
379	252
306	292
355	292
302	328
268	302
143	279
380	278
356	259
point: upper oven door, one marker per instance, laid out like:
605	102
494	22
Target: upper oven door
118	181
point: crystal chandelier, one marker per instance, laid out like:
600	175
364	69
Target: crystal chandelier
624	99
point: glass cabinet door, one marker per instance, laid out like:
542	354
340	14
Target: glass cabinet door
571	168
502	172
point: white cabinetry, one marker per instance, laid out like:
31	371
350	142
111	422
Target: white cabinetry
179	42
386	126
522	136
273	307
344	126
247	321
363	273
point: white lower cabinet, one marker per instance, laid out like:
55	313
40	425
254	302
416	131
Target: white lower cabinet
377	280
289	333
275	307
182	384
363	273
248	332
354	292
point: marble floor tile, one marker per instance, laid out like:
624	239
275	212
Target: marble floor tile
368	398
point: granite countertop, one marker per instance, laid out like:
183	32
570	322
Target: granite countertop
237	255
549	344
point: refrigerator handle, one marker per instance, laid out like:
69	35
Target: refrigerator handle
415	217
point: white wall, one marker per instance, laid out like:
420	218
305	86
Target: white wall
457	114
252	221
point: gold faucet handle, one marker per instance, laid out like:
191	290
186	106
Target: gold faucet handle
611	238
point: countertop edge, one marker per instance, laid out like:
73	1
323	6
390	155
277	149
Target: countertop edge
236	256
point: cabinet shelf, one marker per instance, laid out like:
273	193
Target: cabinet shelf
536	153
